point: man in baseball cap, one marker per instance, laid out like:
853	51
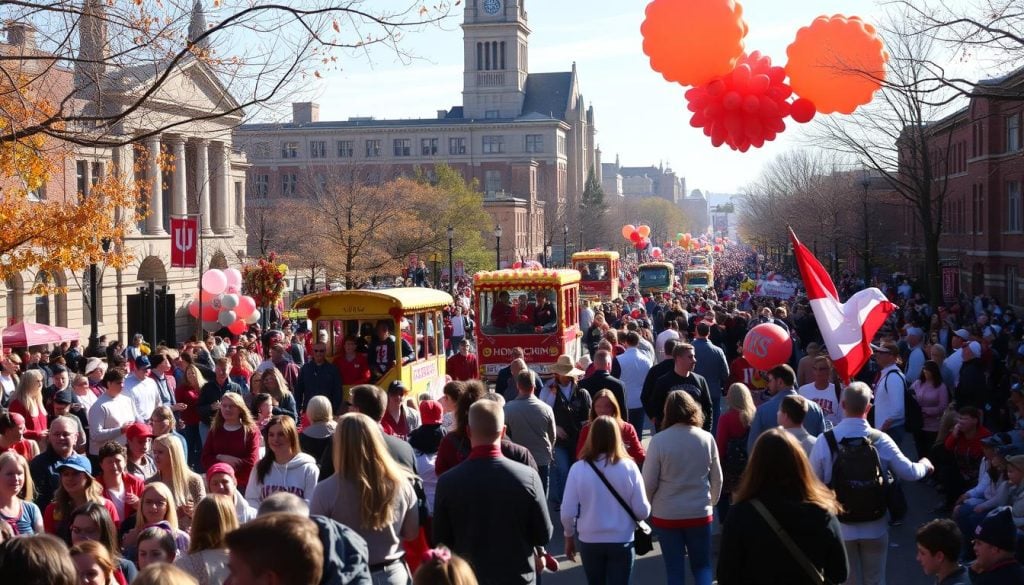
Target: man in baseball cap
995	541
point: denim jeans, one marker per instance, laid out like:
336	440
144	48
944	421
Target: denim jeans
558	473
543	471
716	411
677	544
867	560
607	563
393	574
637	419
195	445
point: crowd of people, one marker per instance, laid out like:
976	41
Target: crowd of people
257	459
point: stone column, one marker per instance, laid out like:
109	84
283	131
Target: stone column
222	180
202	178
241	207
155	219
179	197
124	169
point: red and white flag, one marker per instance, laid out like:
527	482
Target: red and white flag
849	327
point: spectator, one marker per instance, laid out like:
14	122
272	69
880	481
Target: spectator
780	385
352	366
186	487
938	548
77	487
731	440
995	542
370	493
682	377
683	480
207	558
187	394
91	521
210	396
653	407
712	366
822	390
425	441
792	412
94	563
279	548
992	490
601	378
111	414
39	559
142	389
779	484
156	508
315	436
888	407
120	487
155	546
571	406
16	494
27	401
531	423
163	423
963	445
234	438
44	468
220	479
273	383
372	401
284	467
605	529
463	365
605	405
932	395
316	378
399	420
634	365
12	436
443	567
140	437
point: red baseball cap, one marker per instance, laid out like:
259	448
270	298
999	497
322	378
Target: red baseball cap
138	431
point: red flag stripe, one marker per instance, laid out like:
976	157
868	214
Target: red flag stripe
816	279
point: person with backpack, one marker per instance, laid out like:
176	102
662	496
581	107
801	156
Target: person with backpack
854	460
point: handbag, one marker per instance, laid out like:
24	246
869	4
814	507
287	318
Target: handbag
643	543
797	554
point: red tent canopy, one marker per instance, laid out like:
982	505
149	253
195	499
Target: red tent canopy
28	334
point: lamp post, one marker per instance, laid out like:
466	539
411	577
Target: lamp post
94	338
451	263
497	247
565	244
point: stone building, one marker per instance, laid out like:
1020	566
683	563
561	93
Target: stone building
208	177
527	138
651	181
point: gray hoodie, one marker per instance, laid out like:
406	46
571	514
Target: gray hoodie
298	476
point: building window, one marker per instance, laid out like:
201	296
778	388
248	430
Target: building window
318	149
1013	207
534	143
493	144
456	146
290	150
80	166
288	182
403	147
492	114
97	173
492	183
561	145
345	149
1013	133
428	146
1011	285
262	186
261	150
372	148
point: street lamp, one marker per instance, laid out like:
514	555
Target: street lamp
565	244
94	339
497	246
451	263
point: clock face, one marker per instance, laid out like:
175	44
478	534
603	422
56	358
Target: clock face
492	6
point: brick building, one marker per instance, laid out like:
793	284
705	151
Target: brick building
979	150
527	138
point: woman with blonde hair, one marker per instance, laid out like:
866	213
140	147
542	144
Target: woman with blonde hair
163	574
441	566
315	436
604	527
273	383
27	401
284	467
94	563
16	494
172	470
683	480
234	438
156	508
371	494
164	422
77	487
187	393
779	487
605	404
733	430
207	558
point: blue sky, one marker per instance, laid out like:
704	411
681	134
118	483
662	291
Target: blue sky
640	117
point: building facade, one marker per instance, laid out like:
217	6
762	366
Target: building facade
207	177
978	156
652	181
526	138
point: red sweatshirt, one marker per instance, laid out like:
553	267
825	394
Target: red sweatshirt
242	443
33	424
461	367
629	439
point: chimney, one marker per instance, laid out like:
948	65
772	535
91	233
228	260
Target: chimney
305	112
21	34
442	114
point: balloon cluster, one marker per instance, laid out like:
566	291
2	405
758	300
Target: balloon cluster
220	302
639	236
835	65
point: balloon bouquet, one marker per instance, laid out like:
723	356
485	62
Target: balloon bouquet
640	237
222	303
741	99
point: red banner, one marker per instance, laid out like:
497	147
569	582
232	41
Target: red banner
184	242
950	283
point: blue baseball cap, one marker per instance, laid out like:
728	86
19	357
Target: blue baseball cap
76	462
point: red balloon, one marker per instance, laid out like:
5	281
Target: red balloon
635	313
802	110
744	107
210	312
766	346
635	237
193	309
238	327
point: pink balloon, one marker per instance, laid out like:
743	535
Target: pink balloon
234	277
214	281
245	307
207	297
193	309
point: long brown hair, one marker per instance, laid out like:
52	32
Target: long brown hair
778	466
606	393
361	457
288	426
280	390
680	407
472	390
213	520
604	440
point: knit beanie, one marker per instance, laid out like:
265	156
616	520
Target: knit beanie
998	529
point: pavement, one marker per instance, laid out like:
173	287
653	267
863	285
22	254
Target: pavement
902	568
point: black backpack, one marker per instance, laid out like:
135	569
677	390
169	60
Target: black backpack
857	477
913	416
735	462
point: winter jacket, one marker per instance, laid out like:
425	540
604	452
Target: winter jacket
346	557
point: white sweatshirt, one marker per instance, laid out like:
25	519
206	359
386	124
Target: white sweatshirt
598	515
298	476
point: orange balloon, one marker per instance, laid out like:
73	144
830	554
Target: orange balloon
837	63
644	231
627	230
693	41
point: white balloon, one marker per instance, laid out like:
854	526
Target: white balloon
253	317
226	317
229	301
218	302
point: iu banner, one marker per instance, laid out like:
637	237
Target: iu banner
184	241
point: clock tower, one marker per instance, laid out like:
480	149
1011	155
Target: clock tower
495	46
